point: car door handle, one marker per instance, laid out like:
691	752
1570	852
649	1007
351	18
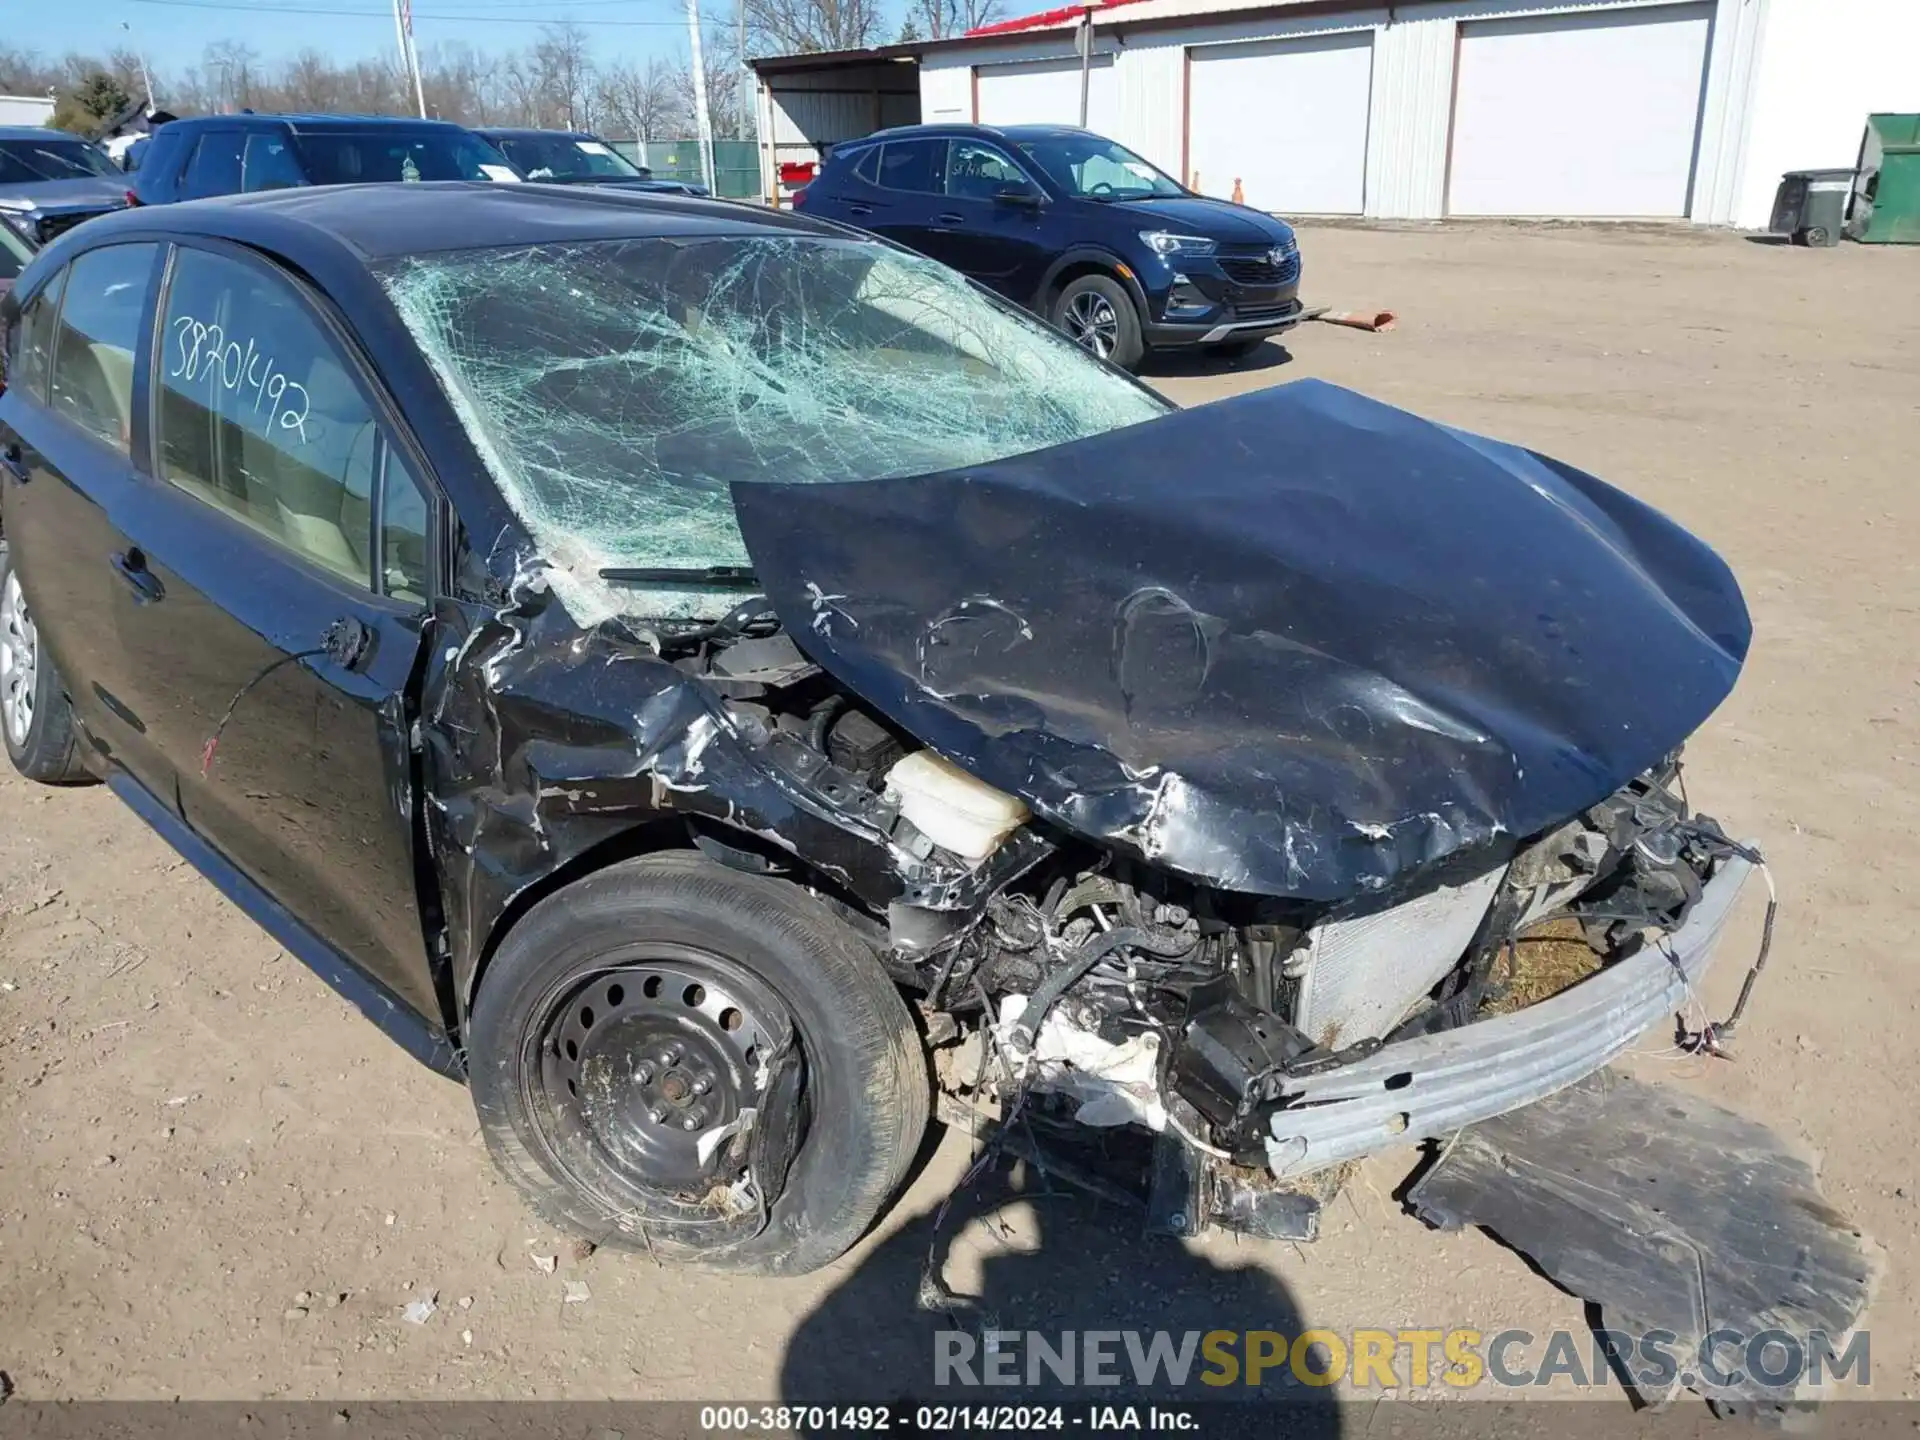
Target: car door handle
131	566
15	464
950	218
859	209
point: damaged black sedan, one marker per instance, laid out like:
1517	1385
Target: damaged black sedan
675	666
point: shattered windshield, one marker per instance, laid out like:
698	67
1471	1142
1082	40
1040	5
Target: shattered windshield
616	388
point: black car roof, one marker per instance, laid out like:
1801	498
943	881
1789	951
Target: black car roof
310	122
960	129
385	220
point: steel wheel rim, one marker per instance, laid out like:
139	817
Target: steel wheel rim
1093	323
19	662
648	1063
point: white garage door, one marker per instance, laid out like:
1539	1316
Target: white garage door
1048	93
1285	118
1579	114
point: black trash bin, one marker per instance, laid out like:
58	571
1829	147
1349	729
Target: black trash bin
1811	205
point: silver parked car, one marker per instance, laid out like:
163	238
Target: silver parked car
57	180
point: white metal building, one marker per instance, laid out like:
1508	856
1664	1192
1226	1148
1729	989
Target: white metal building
1643	109
25	109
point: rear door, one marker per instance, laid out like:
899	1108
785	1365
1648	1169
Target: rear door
71	432
293	541
907	195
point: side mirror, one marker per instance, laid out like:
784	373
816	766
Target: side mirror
1024	197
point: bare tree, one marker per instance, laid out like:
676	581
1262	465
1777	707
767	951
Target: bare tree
22	72
942	19
563	59
461	84
791	27
310	81
720	53
643	103
233	63
554	83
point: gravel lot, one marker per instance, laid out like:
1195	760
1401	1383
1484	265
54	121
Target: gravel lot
217	1181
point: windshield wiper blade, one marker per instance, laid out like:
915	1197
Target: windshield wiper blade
719	577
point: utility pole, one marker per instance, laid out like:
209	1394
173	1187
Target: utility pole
409	58
146	80
747	79
702	116
1084	39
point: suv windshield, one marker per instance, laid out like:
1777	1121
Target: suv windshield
351	157
616	388
566	157
22	162
1093	168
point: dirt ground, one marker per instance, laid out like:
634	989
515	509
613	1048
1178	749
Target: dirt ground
216	1181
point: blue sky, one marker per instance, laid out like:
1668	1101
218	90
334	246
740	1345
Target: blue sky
172	33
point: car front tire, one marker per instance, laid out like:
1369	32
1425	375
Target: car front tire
34	717
1097	314
632	1017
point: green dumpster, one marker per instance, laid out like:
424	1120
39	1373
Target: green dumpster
1886	196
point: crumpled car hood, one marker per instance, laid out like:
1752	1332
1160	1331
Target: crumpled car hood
1297	643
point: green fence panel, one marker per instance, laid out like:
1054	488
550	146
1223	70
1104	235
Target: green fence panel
736	163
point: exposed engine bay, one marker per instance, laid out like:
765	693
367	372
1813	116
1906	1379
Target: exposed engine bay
1073	984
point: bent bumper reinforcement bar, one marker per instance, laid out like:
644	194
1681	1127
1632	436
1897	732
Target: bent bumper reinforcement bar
1436	1084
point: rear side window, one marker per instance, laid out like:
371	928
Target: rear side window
99	334
32	359
215	166
869	167
912	165
268	163
260	415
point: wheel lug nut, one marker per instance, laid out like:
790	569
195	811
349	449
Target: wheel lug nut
643	1074
658	1114
692	1122
670	1055
702	1085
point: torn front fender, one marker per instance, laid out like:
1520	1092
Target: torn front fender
1297	642
544	739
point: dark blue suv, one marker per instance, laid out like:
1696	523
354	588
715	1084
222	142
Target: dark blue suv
229	154
1074	227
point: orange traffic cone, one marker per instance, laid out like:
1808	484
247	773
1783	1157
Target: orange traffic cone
1239	196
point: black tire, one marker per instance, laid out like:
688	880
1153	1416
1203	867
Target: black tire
35	720
1097	313
866	1087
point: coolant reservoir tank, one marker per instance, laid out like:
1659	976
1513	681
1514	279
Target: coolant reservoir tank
951	808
